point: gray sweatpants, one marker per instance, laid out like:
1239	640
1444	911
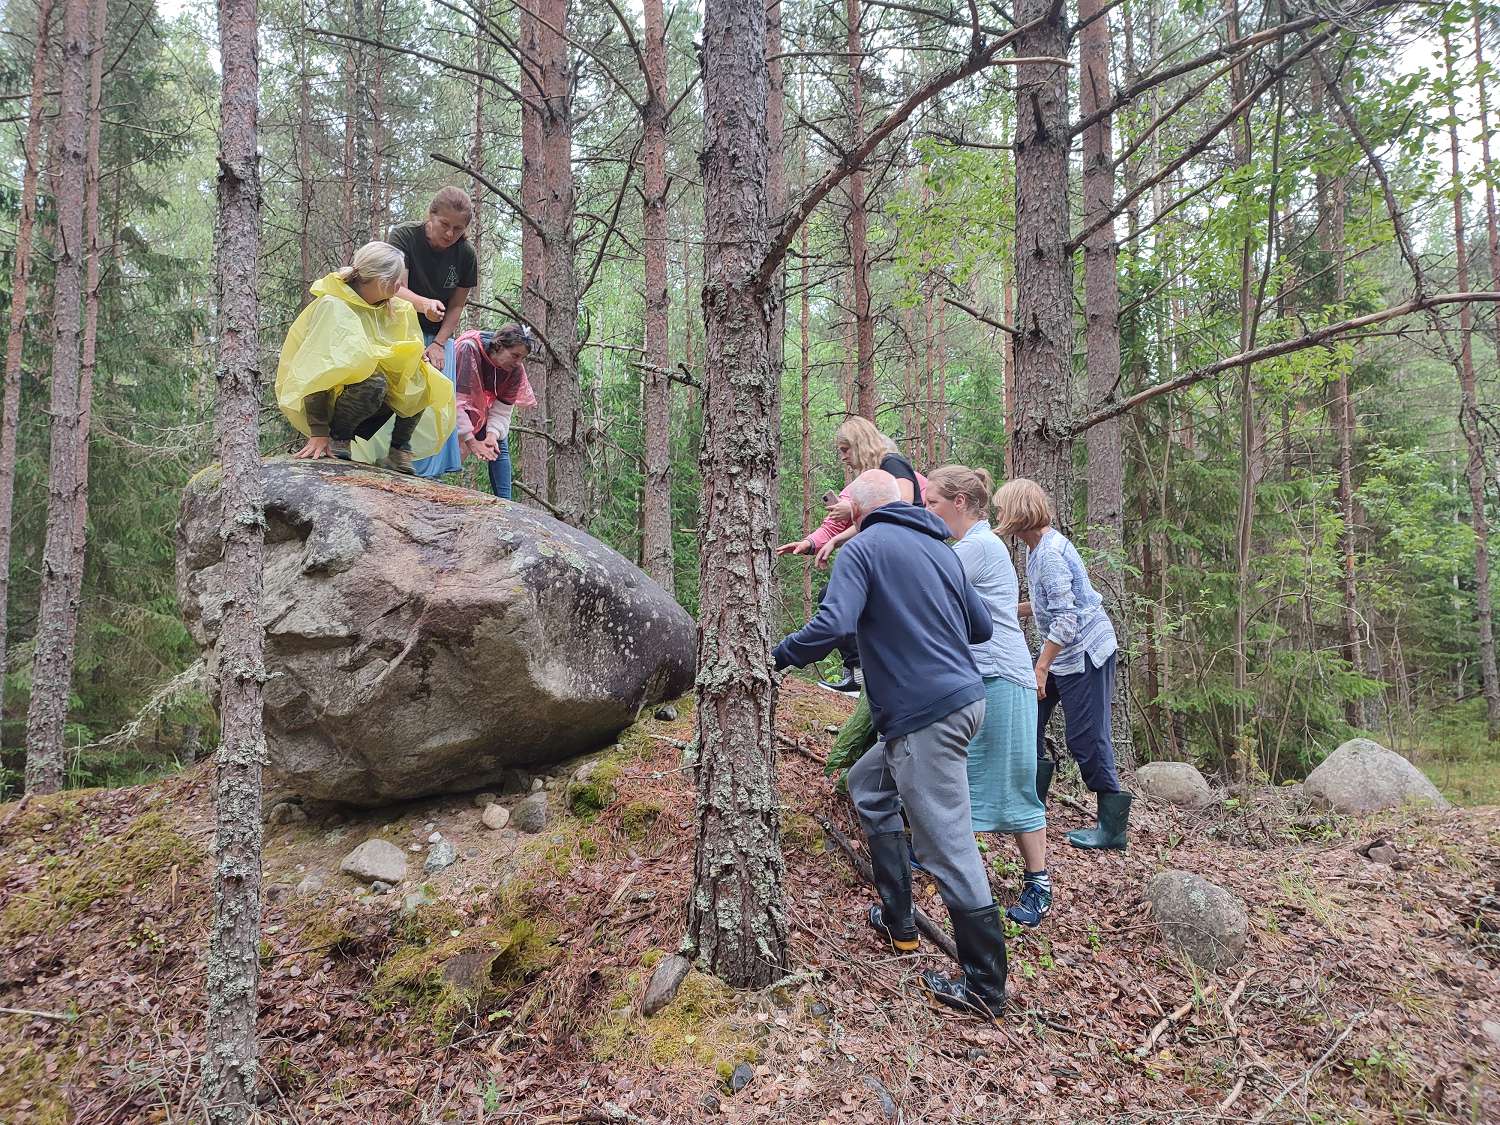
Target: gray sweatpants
927	771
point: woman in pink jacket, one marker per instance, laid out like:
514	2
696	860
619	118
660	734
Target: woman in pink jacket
490	371
860	447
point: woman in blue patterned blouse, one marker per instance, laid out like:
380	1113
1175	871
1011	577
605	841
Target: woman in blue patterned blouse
1076	666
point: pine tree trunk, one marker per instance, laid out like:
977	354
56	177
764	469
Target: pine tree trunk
536	452
359	99
57	617
229	1068
379	174
1492	222
1476	469
89	349
1044	296
1101	301
1008	366
20	290
560	281
737	926
656	507
304	160
476	144
944	439
859	242
806	322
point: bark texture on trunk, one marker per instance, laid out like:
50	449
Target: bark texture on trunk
536	454
736	924
1101	301
229	1068
806	356
359	115
1041	424
20	289
57	616
560	270
859	241
304	159
1492	221
656	505
1476	467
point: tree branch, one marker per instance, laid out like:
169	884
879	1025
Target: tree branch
979	316
1313	339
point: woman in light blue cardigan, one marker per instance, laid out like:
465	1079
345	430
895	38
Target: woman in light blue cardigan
1076	666
1003	793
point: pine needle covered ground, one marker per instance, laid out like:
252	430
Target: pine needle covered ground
1370	992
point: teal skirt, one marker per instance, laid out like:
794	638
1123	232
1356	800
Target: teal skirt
1002	761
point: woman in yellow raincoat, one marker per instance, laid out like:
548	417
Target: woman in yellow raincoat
352	377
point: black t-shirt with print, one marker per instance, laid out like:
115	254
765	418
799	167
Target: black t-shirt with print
431	272
899	467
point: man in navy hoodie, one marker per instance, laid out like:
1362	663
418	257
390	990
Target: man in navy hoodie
900	590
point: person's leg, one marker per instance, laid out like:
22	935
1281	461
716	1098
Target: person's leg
872	788
356	404
1086	702
500	473
931	773
1033	848
930	767
1089	697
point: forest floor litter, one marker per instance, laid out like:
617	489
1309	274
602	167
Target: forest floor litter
506	986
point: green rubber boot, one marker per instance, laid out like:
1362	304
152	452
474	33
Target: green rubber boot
1114	816
1045	768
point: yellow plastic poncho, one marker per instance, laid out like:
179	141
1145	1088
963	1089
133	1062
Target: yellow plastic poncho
341	339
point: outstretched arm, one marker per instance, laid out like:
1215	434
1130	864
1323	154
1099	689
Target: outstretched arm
836	619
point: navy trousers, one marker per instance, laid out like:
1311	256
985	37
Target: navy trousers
1086	698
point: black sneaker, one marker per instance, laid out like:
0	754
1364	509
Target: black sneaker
849	685
1036	900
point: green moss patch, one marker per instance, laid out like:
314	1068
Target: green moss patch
637	818
700	1026
588	798
72	882
448	973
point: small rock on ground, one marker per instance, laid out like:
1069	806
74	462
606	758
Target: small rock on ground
286	813
443	854
415	900
1383	853
376	859
484	800
667	713
887	1103
665	982
741	1077
1200	918
379	888
312	883
496	817
530	815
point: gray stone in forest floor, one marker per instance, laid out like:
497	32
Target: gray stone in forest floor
1362	776
530	815
443	854
496	817
665	982
1199	918
376	859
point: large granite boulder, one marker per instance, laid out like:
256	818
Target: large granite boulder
422	638
1362	776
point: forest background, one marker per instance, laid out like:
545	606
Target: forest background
1289	545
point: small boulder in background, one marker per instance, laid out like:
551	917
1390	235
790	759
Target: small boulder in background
1362	776
1176	783
376	860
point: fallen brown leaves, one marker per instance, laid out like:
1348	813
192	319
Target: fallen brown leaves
1363	994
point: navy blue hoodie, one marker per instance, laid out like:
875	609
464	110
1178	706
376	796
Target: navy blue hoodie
901	590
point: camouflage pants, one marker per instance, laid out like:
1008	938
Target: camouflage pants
361	410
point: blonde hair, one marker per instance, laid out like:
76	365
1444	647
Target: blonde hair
374	261
1021	505
453	200
973	485
867	445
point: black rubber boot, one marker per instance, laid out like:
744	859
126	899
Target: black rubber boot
893	917
980	991
1114	817
1045	768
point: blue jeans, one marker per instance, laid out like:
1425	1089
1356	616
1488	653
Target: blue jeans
500	471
